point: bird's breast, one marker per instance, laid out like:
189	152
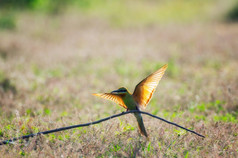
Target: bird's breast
130	102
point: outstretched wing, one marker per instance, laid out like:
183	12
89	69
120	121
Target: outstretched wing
145	89
117	99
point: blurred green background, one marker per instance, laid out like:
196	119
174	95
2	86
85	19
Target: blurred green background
124	13
55	53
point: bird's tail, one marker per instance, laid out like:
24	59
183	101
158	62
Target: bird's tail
141	124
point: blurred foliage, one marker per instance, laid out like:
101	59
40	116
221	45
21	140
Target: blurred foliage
16	3
7	22
122	13
53	7
6	84
232	14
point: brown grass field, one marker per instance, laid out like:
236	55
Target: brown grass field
49	66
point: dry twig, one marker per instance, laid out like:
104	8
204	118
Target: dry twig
95	122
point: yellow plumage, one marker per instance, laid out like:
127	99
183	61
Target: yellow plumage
140	98
145	89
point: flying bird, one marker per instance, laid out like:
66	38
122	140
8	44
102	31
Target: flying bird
140	97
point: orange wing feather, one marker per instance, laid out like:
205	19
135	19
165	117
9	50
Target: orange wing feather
117	99
145	89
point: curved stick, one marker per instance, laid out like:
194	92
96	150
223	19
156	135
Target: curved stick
95	122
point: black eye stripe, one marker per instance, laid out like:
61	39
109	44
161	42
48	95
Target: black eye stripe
121	90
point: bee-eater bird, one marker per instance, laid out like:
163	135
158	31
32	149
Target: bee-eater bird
140	97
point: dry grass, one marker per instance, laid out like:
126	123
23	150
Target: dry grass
50	68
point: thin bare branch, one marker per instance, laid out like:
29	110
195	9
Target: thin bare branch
10	141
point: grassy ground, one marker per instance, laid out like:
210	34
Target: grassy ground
49	66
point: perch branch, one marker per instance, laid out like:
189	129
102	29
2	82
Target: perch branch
95	122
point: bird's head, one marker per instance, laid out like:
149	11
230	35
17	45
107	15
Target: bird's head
120	91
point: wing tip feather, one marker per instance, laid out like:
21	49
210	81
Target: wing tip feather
97	94
164	67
